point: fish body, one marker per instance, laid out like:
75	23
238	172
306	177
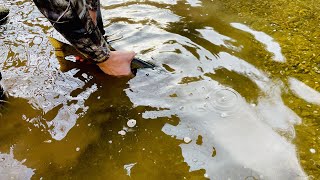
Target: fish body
61	44
4	13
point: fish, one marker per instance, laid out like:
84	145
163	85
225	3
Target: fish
4	14
64	48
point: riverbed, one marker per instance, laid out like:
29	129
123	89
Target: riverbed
235	95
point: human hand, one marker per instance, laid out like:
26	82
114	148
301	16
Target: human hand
118	64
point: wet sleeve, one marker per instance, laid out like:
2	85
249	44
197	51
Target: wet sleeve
91	43
93	46
80	31
92	4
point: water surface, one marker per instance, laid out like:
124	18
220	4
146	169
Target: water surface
236	94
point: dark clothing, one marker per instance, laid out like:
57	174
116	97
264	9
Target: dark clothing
71	18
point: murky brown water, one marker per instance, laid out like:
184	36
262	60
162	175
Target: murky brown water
239	98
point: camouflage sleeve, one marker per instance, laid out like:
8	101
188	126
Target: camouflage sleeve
92	4
78	29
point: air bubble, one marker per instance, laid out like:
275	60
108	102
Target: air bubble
223	115
187	140
131	123
122	132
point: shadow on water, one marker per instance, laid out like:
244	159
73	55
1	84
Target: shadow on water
213	114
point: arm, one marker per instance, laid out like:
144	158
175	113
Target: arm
92	5
84	35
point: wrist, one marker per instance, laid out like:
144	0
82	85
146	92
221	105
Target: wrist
103	59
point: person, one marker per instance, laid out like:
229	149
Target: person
80	22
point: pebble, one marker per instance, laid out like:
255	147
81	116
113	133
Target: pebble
186	139
131	123
77	149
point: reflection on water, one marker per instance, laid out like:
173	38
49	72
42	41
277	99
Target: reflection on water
13	169
222	118
305	92
215	38
206	112
262	37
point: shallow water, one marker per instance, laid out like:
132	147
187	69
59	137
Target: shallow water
236	94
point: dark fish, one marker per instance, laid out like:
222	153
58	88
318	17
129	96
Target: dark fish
2	93
4	13
61	44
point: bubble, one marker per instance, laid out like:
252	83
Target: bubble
223	115
187	139
253	105
122	132
131	123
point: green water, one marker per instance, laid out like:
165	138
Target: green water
64	119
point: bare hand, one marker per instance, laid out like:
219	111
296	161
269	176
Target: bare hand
118	64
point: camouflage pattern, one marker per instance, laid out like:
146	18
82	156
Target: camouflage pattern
71	18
